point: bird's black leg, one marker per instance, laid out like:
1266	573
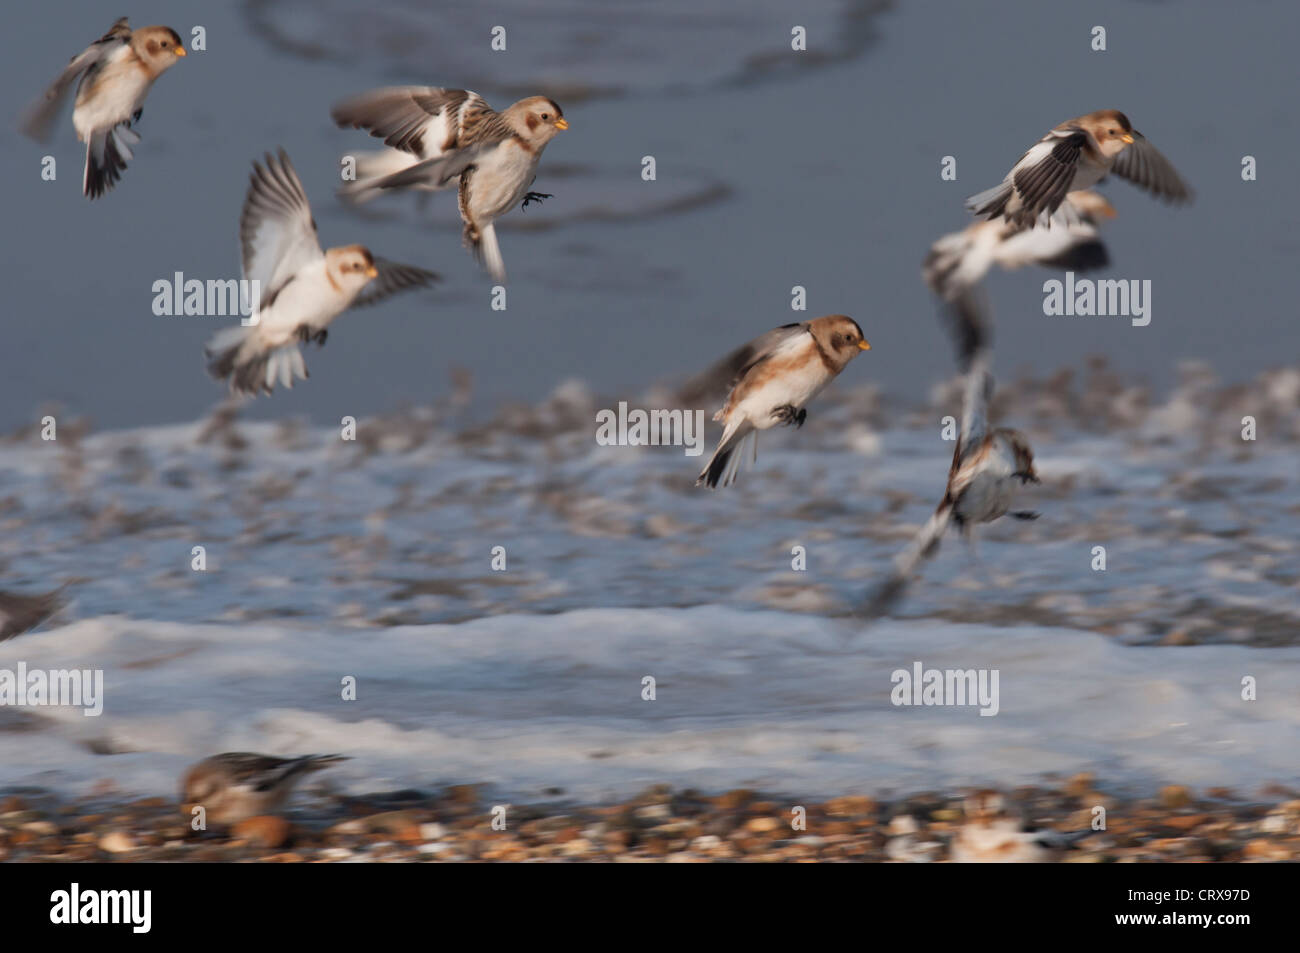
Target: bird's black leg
304	333
135	117
320	336
787	415
1026	477
537	197
1025	515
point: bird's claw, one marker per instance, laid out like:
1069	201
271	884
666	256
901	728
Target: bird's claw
1026	477
787	415
1025	515
537	197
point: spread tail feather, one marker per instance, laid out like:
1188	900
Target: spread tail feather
252	371
486	251
107	153
724	466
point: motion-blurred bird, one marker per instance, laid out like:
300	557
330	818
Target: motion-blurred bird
959	261
1076	155
772	378
993	834
237	785
116	73
989	467
452	137
302	288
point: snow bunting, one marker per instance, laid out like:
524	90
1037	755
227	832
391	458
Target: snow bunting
237	785
960	260
989	466
302	288
19	613
116	73
772	378
1076	155
447	137
993	834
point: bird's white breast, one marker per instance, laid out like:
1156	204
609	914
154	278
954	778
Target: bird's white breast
501	177
308	299
795	385
112	95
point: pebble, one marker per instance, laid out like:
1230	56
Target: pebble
263	831
903	824
1275	824
434	831
661	825
116	842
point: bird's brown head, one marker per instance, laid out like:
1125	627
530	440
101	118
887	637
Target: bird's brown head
538	119
350	267
1111	129
159	47
839	336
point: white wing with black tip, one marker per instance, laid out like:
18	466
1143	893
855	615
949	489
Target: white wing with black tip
38	122
276	229
1044	175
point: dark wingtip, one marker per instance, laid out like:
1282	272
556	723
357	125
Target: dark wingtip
19	614
713	472
1086	256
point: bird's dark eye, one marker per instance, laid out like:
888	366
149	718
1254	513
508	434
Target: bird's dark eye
546	116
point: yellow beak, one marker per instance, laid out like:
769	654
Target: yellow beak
864	346
180	51
1127	137
372	272
561	124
